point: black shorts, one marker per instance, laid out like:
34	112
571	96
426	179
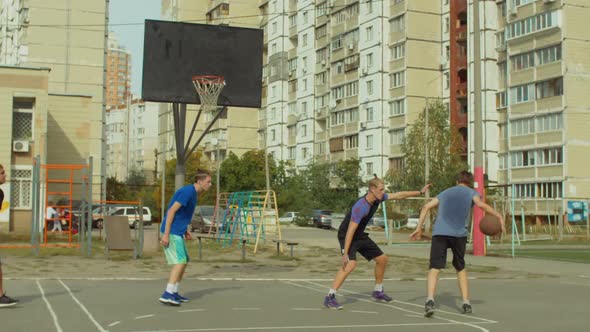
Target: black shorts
438	251
365	246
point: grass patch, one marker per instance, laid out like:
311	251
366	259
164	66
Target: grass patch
566	255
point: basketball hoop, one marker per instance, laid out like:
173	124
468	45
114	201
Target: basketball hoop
208	87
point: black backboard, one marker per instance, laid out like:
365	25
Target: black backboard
174	52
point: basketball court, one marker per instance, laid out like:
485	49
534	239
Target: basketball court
292	305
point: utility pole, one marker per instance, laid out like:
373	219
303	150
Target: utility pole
426	161
478	237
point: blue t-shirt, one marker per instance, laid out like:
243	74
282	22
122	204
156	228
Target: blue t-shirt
360	213
454	208
187	197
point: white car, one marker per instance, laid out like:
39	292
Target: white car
131	213
412	221
288	217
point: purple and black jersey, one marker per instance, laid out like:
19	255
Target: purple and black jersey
360	213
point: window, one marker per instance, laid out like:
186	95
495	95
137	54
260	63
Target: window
398	24
396	136
550	88
369	58
370	114
396	164
273	91
552	156
274	27
304	87
22	118
369	6
447	80
351	142
369	142
524	190
321	9
397	79
549	122
21	187
522	127
292	64
321	78
532	24
321	31
397	107
523	158
398	51
291	152
273	48
305	152
292	131
447	24
501	99
305	18
292	108
304	108
292	21
369	168
549	190
369	33
370	88
304	40
337	144
549	54
523	61
522	93
303	130
273	135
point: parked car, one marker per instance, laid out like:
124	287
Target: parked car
288	217
131	213
322	218
377	221
203	217
412	221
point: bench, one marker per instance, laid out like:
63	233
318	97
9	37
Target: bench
213	237
287	242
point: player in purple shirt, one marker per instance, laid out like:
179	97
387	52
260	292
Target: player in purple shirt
353	239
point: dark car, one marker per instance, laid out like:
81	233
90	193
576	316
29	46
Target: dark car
203	217
322	218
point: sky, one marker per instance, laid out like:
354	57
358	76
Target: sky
130	36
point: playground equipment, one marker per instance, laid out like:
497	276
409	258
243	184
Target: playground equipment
248	216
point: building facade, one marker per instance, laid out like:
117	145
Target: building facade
118	80
542	103
69	37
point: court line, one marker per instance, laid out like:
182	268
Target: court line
574	283
419	306
114	323
191	310
392	306
144	316
50	308
364	312
100	328
226	279
245	308
585	277
305	327
306	309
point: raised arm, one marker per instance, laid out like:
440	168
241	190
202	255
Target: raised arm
406	194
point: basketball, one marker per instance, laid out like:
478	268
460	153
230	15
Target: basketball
490	225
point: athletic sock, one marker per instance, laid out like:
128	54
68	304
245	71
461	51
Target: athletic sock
170	288
430	299
378	287
175	287
466	302
332	291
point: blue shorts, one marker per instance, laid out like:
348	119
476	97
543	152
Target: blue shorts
176	252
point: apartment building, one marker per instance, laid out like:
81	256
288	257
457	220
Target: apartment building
235	130
542	102
68	37
132	140
35	122
118	79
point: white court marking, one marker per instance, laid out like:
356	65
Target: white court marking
364	312
191	310
245	308
83	308
144	316
114	323
306	309
392	306
585	277
51	312
304	327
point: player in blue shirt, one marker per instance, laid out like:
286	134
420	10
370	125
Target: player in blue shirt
450	231
353	239
174	230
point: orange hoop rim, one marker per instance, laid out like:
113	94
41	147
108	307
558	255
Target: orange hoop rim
209	79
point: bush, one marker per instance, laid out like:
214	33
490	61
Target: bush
302	220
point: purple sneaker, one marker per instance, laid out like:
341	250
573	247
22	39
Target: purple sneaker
331	303
381	296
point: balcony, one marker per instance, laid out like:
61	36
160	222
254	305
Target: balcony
462	90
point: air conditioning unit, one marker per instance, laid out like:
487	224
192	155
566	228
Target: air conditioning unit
512	11
304	70
363	125
323	63
365	71
20	146
351	47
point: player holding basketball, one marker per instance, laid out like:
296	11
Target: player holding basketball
175	229
450	231
353	239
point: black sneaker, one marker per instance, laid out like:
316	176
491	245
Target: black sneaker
429	308
6	301
467	308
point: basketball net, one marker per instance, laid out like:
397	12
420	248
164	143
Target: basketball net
209	88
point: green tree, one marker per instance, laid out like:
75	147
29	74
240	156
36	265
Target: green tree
246	173
443	151
116	190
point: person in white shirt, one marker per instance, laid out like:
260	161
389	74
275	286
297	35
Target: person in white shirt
51	214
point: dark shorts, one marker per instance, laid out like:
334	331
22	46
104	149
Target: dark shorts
438	251
365	246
